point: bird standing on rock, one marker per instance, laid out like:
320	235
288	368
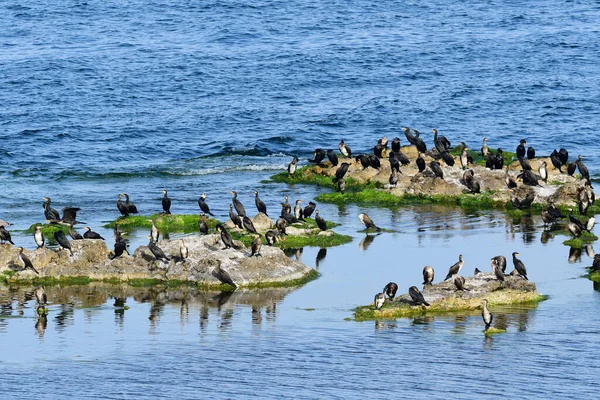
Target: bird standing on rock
320	221
239	207
486	315
5	235
390	290
341	171
416	296
345	149
60	237
166	203
203	206
519	266
368	222
260	205
455	268
38	236
428	274
27	264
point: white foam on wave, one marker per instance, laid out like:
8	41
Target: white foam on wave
238	168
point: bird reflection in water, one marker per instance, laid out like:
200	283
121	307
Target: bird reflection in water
381	325
488	341
203	317
156	310
528	229
424	321
574	255
256	315
366	242
226	319
320	257
500	321
546	236
522	321
65	316
589	250
183	312
41	324
460	324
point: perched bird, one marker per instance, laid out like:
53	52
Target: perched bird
225	238
256	245
486	315
237	221
437	170
285	214
448	158
428	275
345	149
441	143
202	225
523	204
393	180
318	156
521	148
60	237
416	296
320	221
543	170
341	171
183	250
511	183
500	262
554	158
574	229
298	210
409	136
50	213
260	205
374	162
464	157
38	236
476	271
248	224
223	276
40	296
390	290
131	208
396	145
379	300
281	224
583	201
525	164
459	282
368	222
394	163
420	163
484	148
90	234
333	158
364	160
455	268
530	153
575	220
121	206
203	206
154	232
5	235
292	166
519	266
585	174
563	156
157	251
498	273
529	178
270	237
27	264
309	209
239	207
286	207
571	168
120	247
499	160
73	233
166	203
69	213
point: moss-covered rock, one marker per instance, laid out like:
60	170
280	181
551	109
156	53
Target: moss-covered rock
184	223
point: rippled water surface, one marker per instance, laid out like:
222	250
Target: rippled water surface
100	98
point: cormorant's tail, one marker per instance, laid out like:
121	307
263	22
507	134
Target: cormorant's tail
426	303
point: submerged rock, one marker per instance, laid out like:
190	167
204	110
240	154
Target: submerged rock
91	259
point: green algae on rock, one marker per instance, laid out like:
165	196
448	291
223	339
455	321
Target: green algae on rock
184	223
48	230
581	241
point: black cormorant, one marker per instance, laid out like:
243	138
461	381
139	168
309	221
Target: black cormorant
223	276
131	208
202	225
333	158
553	210
416	296
484	148
90	234
575	220
378	149
26	261
50	213
455	269
73	233
237	221
519	266
499	261
441	142
248	225
120	247
428	275
585	174
511	183
396	145
309	209
203	206
521	148
393	180
5	235
563	156
292	166
421	163
256	245
60	237
286	207
260	205
498	273
341	171
225	238
530	153
525	164
239	207
448	158
499	159
525	203
270	237
490	161
556	161
368	222
166	203
121	206
320	221
459	282
486	315
409	136
345	149
374	161
298	210
390	290
364	160
437	170
318	156
529	178
289	218
38	236
281	224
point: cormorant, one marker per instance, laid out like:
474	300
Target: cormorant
574	229
166	203
204	207
590	192
281	224
270	237
308	210
519	266
529	178
345	149
396	145
525	164
374	162
90	234
563	156
5	235
468	177
248	225
73	233
154	231
543	171
384	142
437	170
596	263
475	187
298	210
27	264
342	185
499	159
393	180
120	247
379	300
364	160
571	168
484	148
500	262
441	142
525	203
455	269
38	236
553	211
585	174
464	160
183	250
511	183
547	217
575	220
521	149
428	275
318	156
256	245
131	208
402	158
530	153
223	276
341	171
459	282
409	136
286	208
368	222
448	158
416	296
583	201
239	207
320	221
260	205
292	166
40	296
554	158
225	238
498	273
237	221
121	206
289	218
50	213
421	163
486	315
203	226
390	290
60	237
378	149
333	158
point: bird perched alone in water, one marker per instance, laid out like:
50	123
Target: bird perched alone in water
5	235
390	290
27	264
60	237
90	234
368	222
428	274
320	221
519	266
455	268
486	315
416	296
345	149
120	206
203	206
332	157
166	203
38	236
292	166
260	205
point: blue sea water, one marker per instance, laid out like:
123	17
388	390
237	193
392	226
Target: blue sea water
99	98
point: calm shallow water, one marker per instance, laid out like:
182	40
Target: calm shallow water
103	98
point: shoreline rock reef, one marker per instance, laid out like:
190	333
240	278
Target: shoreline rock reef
445	299
207	265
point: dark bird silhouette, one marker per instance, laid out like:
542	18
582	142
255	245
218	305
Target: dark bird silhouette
60	237
417	296
120	247
256	246
459	282
368	222
318	156
90	234
437	170
203	206
248	225
441	143
223	276
131	208
521	149
73	233
5	235
530	153
345	149
585	174
237	221
202	224
333	158
519	266
225	238
554	158
270	237
563	156
158	253
500	262
309	209
420	163
260	205
26	261
341	171
455	268
396	145
320	221
390	290
166	203
239	207
374	162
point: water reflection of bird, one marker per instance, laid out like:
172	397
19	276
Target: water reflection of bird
41	324
574	255
366	242
320	256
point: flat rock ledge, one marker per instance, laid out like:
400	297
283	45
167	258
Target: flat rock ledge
444	298
91	260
